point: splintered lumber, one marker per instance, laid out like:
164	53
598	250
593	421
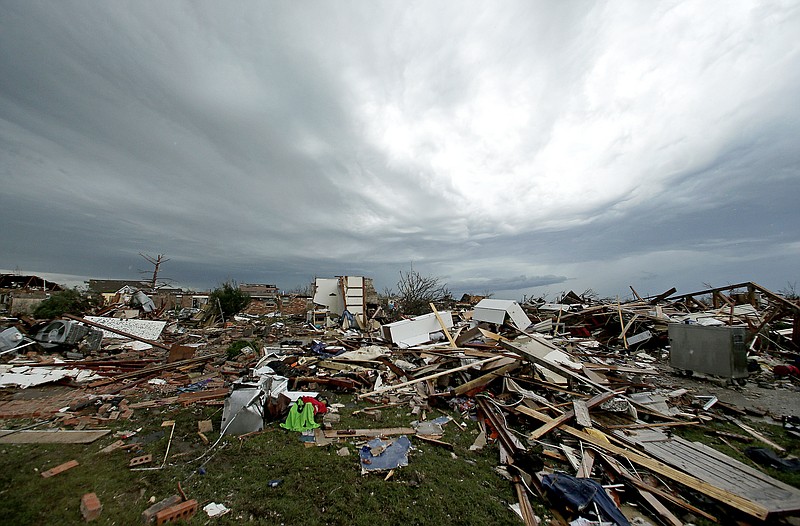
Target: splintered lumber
646	495
485	379
587	463
429	377
649	425
525	508
552	423
507	440
639	484
153	369
348	433
199	396
444	328
430	440
758	436
726	497
565	371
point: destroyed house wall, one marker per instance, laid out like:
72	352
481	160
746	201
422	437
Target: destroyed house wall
260	291
112	286
15	282
26	302
294	305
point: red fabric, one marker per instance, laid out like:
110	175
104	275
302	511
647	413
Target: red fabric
786	370
319	407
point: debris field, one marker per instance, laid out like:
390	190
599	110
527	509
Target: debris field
595	412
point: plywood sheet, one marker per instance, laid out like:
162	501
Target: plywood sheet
722	471
10	436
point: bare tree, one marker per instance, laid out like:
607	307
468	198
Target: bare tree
156	262
790	291
589	295
305	289
416	292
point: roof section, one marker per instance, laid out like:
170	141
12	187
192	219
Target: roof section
107	286
14	281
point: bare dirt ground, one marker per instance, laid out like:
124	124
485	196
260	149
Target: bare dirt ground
762	392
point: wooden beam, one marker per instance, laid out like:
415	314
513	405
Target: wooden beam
485	379
726	497
429	377
638	483
553	423
663	296
525	508
444	329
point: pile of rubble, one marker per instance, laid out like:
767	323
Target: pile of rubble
580	397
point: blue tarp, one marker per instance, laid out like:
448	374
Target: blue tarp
394	456
580	493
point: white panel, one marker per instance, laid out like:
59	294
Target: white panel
416	330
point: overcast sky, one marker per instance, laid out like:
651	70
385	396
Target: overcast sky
513	147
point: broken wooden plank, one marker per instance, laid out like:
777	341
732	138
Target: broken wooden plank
199	396
517	349
525	508
443	326
758	436
431	440
345	433
553	423
747	506
485	379
153	369
587	463
59	469
581	411
638	483
429	377
648	497
648	425
11	436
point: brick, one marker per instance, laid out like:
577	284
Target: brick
138	461
149	515
59	469
111	447
183	512
90	507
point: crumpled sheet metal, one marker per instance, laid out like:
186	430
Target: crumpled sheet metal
243	411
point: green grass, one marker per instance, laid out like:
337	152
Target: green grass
319	487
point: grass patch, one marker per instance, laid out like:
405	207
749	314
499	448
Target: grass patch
318	486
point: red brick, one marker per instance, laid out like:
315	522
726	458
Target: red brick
138	461
183	511
90	507
149	515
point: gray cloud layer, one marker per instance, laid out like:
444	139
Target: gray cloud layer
507	147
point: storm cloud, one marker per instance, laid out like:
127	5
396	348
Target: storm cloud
514	147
